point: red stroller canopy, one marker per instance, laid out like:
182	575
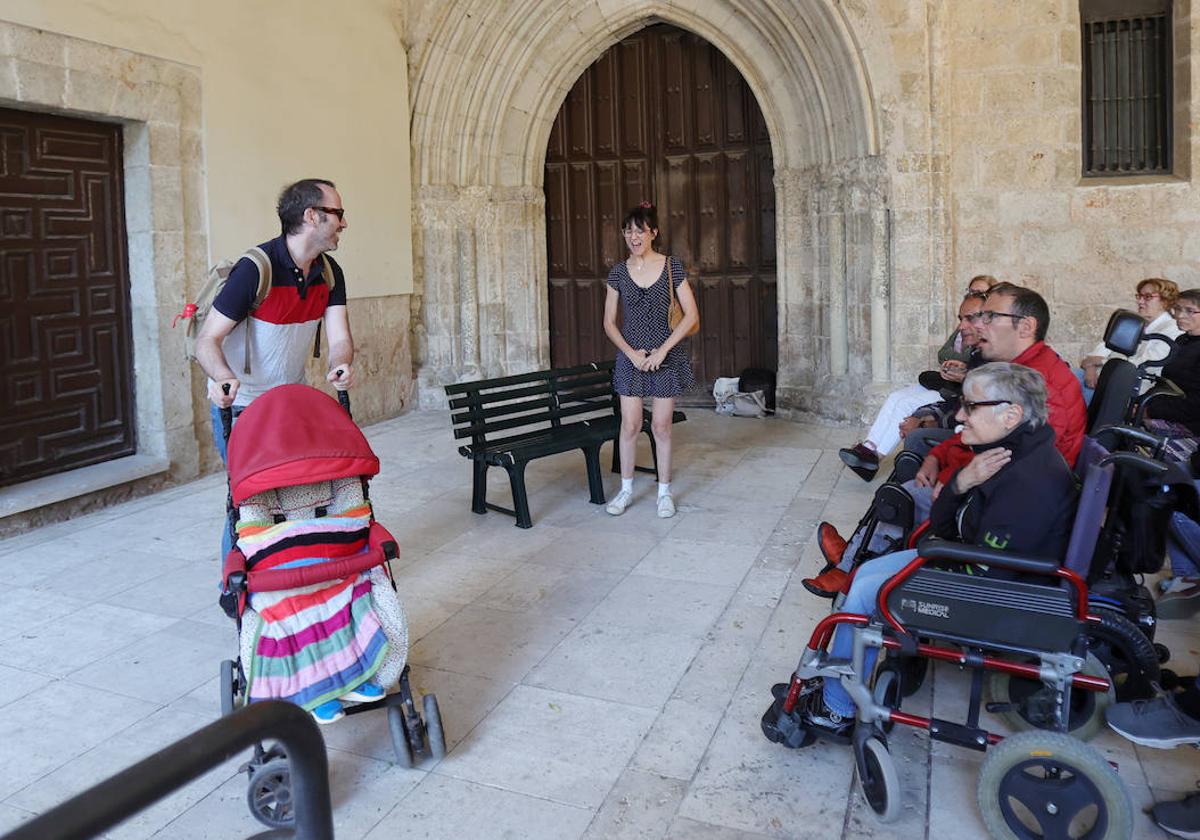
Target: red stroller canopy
293	435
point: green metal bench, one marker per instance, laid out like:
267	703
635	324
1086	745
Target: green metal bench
513	420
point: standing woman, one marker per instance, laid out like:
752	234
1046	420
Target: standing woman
652	361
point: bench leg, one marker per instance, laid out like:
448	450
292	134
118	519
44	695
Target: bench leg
616	459
516	478
591	455
479	488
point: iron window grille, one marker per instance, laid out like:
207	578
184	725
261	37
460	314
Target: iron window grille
1127	93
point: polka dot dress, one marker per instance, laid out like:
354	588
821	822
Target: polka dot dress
645	327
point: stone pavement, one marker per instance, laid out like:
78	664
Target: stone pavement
599	677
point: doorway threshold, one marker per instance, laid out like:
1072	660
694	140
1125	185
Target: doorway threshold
40	492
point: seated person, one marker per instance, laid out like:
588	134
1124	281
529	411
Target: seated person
1179	417
884	435
1012	328
1017	494
1155	298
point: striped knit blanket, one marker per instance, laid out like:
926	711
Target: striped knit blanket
314	643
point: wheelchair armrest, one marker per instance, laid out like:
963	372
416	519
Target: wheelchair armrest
935	548
1130	433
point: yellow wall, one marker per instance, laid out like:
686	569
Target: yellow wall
291	89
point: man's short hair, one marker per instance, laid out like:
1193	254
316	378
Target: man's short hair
1027	303
298	197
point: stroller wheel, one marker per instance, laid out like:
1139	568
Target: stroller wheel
1030	704
270	794
433	727
878	778
399	732
229	687
1048	784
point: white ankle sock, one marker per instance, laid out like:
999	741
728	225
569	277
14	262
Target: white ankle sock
664	489
626	485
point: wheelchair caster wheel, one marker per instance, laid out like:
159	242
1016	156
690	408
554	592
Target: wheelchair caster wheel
878	779
270	794
888	691
1047	784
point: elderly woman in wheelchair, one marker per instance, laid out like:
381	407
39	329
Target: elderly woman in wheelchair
978	584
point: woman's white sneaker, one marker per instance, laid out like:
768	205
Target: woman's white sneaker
620	501
666	507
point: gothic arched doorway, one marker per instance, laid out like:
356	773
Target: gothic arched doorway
664	116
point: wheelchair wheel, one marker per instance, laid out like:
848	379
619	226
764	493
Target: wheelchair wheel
878	779
1128	656
270	794
399	732
1033	702
1047	784
888	690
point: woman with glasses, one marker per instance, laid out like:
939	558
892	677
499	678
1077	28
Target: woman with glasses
1017	494
1180	416
1154	297
653	360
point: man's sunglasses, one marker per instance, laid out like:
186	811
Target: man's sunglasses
340	212
968	406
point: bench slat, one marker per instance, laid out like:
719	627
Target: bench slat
497	396
476	414
519	378
486	428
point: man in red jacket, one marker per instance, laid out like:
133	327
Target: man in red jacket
1012	328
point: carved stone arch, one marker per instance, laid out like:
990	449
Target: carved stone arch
484	100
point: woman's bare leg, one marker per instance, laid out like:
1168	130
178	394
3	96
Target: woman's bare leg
660	426
631	425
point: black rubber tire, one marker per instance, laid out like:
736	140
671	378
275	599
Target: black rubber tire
269	795
1085	719
913	670
1015	771
1163	652
228	686
1129	657
399	732
887	690
434	733
878	780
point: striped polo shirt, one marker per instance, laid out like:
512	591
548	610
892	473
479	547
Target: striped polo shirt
284	326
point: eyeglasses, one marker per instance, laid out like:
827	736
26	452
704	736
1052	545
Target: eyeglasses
1149	297
968	406
1184	310
340	212
987	316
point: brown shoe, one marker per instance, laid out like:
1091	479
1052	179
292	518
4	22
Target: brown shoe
828	584
831	543
863	461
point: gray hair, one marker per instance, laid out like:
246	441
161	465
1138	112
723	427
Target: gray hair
1015	384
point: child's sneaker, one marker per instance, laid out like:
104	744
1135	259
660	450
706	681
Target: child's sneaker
368	692
328	712
620	501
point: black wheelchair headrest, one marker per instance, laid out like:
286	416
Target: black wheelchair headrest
1124	332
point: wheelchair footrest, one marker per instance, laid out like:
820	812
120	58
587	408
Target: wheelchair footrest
970	737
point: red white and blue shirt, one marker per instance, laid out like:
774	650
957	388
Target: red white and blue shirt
284	325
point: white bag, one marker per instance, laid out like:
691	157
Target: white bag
734	403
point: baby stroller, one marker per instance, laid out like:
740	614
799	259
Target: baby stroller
308	583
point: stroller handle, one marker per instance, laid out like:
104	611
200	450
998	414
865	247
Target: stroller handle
226	416
344	396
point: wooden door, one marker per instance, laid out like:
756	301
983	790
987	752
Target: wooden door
66	373
663	116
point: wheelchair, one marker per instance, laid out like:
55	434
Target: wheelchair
1041	782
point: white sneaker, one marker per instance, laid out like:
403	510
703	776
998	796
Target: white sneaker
666	507
620	501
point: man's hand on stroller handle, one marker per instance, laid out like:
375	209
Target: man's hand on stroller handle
341	376
222	392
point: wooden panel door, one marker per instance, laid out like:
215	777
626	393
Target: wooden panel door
663	116
66	373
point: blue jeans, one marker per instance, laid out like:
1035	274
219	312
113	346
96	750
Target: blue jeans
219	441
1088	393
862	598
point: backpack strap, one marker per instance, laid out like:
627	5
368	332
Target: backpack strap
330	282
263	263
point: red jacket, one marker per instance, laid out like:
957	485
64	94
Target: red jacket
1064	400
